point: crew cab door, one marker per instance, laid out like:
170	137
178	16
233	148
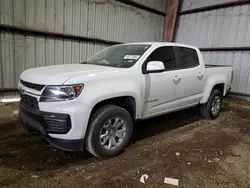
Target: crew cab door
160	87
191	85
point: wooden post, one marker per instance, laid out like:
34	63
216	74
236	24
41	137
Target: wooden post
170	19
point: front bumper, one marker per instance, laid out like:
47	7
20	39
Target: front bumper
46	123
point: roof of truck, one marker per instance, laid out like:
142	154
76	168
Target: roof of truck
163	43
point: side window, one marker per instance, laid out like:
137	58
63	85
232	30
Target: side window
164	54
188	57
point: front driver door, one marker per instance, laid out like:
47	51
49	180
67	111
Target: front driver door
160	87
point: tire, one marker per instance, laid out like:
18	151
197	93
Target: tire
102	123
207	110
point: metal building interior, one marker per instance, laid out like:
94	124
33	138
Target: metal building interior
178	149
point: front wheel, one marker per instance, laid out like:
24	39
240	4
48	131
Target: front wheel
110	131
213	107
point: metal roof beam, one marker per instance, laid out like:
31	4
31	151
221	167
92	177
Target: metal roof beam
141	6
215	7
35	32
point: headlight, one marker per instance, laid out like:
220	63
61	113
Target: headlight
60	93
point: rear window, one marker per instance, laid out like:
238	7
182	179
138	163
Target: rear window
188	57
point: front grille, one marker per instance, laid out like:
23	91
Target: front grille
32	86
29	102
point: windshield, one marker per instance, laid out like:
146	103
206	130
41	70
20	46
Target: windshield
123	56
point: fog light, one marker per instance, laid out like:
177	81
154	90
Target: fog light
58	124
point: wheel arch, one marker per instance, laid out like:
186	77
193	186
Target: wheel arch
218	83
126	102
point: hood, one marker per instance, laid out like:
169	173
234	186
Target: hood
59	74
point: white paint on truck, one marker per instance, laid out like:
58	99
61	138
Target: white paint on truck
155	93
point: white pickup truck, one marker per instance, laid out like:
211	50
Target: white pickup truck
94	104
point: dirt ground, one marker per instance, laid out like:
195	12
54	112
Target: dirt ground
213	153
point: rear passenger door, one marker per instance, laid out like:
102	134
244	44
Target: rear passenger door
191	85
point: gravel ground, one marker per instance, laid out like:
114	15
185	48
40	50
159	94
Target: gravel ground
212	153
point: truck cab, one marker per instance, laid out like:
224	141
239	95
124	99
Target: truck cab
182	78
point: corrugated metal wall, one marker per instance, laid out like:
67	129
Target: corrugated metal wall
191	4
22	52
155	4
104	19
217	28
227	27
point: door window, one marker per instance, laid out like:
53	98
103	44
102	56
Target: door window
188	58
164	54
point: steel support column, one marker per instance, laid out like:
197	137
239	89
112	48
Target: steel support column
170	20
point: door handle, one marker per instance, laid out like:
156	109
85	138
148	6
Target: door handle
199	75
176	78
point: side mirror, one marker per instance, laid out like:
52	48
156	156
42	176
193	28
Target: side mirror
155	67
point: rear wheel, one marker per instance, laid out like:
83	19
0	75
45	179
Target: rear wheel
213	107
109	132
